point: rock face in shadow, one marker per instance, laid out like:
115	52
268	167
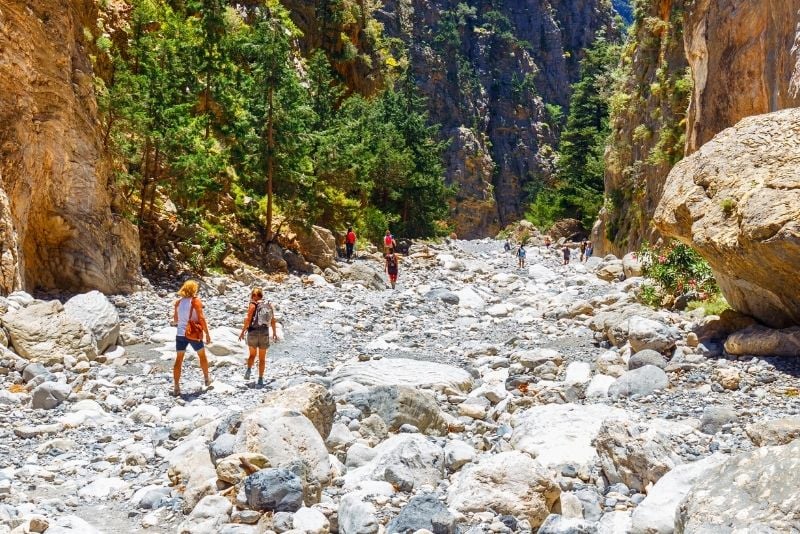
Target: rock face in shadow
487	71
741	59
57	228
737	201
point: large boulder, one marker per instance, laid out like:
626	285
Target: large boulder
45	332
774	432
644	334
656	513
405	372
762	341
310	399
633	454
507	483
317	245
560	434
399	405
752	492
98	315
365	274
284	437
414	454
737	202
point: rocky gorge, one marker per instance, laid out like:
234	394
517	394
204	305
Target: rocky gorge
477	397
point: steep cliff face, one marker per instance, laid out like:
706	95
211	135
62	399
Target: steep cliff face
57	229
487	69
741	64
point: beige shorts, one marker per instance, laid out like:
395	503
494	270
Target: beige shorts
258	339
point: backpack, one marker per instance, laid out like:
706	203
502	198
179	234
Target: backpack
391	262
262	316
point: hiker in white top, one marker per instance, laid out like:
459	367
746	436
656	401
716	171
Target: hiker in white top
260	317
191	322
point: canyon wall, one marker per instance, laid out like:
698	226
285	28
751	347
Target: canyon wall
741	64
57	228
487	69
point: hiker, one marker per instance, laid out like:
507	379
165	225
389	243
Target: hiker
521	253
589	250
507	246
260	318
191	322
388	242
566	252
583	249
392	267
350	243
547	241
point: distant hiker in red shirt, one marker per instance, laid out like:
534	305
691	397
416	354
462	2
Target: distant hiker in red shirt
392	267
388	242
350	243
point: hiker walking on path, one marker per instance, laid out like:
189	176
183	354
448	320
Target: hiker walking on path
583	249
260	318
567	253
389	243
350	243
521	253
191	325
392	266
507	246
589	250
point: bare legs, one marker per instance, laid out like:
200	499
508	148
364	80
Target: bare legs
176	369
262	361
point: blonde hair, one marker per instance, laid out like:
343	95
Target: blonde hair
257	292
189	289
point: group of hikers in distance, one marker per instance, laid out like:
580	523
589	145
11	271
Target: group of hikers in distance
391	262
585	248
192	328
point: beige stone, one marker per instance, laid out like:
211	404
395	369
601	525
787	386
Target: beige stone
507	483
310	399
737	202
728	377
230	469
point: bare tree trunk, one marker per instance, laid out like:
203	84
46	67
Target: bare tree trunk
270	161
145	180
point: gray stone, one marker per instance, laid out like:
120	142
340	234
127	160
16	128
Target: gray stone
48	395
641	381
644	333
400	477
33	370
398	405
558	524
714	417
448	297
405	372
647	357
424	511
356	516
276	490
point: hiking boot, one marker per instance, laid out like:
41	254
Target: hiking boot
247	373
261	381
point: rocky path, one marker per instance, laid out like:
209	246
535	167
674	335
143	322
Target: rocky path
476	397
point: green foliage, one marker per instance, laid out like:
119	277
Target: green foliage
578	189
676	269
207	102
714	305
